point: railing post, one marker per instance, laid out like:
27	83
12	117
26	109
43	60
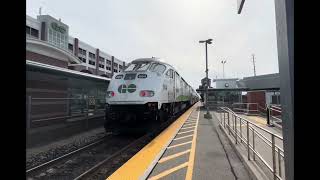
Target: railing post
253	145
224	120
268	116
28	117
273	156
240	129
235	120
279	162
229	124
248	142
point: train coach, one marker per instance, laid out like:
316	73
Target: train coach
147	91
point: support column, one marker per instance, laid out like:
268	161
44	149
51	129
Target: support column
285	43
97	62
112	61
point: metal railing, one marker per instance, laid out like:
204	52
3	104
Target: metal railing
275	114
84	108
246	108
256	140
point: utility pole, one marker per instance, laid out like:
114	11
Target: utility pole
223	62
254	65
207	115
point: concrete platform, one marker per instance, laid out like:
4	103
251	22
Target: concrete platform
197	150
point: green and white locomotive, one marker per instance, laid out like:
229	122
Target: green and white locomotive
147	91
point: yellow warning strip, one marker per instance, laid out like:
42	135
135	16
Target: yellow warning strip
183	132
183	137
169	171
177	145
164	159
135	167
192	152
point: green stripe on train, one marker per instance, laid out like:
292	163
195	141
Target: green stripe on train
183	98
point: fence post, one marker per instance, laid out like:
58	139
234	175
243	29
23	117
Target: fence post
28	117
87	113
279	162
235	120
248	142
273	156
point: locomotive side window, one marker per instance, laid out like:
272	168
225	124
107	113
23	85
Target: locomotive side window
169	74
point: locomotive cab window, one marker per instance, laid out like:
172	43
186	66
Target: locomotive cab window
159	68
138	66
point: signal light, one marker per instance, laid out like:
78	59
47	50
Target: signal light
146	93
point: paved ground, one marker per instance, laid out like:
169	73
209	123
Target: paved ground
213	157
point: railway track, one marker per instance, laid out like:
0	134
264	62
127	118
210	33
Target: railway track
94	161
52	161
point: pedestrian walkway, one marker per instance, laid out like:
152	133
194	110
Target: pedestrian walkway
197	150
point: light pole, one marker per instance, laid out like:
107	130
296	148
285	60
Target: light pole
207	115
223	62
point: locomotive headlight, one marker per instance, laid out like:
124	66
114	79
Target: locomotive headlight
110	94
146	93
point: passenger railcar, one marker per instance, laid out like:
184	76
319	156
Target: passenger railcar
147	91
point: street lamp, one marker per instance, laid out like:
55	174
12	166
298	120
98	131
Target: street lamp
207	115
223	62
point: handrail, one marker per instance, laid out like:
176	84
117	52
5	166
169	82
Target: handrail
273	162
252	123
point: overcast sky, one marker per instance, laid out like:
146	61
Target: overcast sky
171	29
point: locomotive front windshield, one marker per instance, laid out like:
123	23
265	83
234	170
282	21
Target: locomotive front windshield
138	66
143	66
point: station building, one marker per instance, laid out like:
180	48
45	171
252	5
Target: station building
263	90
48	42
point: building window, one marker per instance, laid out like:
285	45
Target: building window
70	47
114	70
82	51
83	59
108	68
120	67
92	62
101	59
108	62
56	38
91	55
101	65
33	32
115	65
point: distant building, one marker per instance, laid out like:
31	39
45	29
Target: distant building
48	41
263	89
225	83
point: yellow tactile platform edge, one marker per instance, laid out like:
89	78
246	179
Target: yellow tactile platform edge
135	167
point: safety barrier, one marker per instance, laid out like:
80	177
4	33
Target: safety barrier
246	108
256	140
